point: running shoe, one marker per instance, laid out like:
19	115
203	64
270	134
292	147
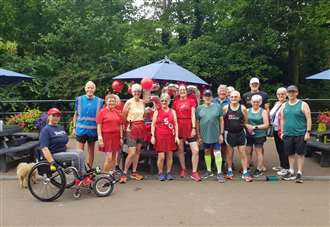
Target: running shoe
282	172
183	173
136	176
247	177
289	176
207	174
162	177
230	175
299	178
123	179
169	176
257	173
277	168
195	176
263	169
220	178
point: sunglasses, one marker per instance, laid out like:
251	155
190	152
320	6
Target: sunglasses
137	91
56	115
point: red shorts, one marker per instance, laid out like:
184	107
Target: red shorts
111	142
138	130
185	127
165	143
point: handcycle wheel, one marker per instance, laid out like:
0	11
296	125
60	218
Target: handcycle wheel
103	186
44	184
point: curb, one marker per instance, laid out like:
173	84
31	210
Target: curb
263	178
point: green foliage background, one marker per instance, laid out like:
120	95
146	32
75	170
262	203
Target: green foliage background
64	43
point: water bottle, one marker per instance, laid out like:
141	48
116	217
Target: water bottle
1	125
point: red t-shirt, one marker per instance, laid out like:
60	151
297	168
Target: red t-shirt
183	107
110	120
120	106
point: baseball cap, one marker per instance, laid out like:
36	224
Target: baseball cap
207	93
292	88
54	111
254	80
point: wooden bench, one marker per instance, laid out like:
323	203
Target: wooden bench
321	149
11	155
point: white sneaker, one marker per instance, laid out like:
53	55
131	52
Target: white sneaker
282	172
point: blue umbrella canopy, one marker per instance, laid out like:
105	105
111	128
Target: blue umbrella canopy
163	70
325	75
10	77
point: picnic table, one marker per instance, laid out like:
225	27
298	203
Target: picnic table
320	147
15	146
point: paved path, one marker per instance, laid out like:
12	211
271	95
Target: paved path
177	203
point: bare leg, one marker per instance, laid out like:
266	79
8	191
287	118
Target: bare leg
137	156
160	162
243	157
248	150
90	159
109	162
291	161
130	158
229	156
169	161
260	158
181	154
300	162
195	155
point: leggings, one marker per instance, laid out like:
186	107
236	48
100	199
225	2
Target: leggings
76	157
284	162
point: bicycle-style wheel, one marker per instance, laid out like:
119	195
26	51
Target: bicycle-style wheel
103	186
44	184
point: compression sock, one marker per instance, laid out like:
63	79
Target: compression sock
208	161
218	160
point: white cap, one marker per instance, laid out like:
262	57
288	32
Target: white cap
254	80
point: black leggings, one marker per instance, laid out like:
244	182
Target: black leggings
284	161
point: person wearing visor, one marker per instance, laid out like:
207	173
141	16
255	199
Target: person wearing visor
210	130
53	143
185	110
296	123
133	115
86	109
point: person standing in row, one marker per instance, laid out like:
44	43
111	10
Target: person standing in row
164	131
281	94
210	129
235	118
86	109
257	127
110	132
133	114
296	123
185	110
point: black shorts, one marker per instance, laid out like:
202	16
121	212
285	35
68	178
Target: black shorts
294	145
256	141
86	138
235	139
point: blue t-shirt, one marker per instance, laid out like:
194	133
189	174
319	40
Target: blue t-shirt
54	138
225	102
87	110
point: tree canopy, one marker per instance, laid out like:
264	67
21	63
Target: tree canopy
64	43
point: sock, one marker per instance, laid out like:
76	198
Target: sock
291	171
299	171
218	160
208	161
230	170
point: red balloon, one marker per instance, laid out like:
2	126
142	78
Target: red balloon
117	86
147	84
129	90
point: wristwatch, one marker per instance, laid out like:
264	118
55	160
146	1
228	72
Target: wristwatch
256	127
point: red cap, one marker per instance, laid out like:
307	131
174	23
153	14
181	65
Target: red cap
53	111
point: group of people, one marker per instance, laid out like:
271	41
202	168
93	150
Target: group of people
216	124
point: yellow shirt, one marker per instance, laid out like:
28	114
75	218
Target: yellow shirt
135	110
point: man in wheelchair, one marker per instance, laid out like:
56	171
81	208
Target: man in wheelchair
53	140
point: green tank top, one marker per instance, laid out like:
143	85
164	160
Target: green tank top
294	120
256	119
